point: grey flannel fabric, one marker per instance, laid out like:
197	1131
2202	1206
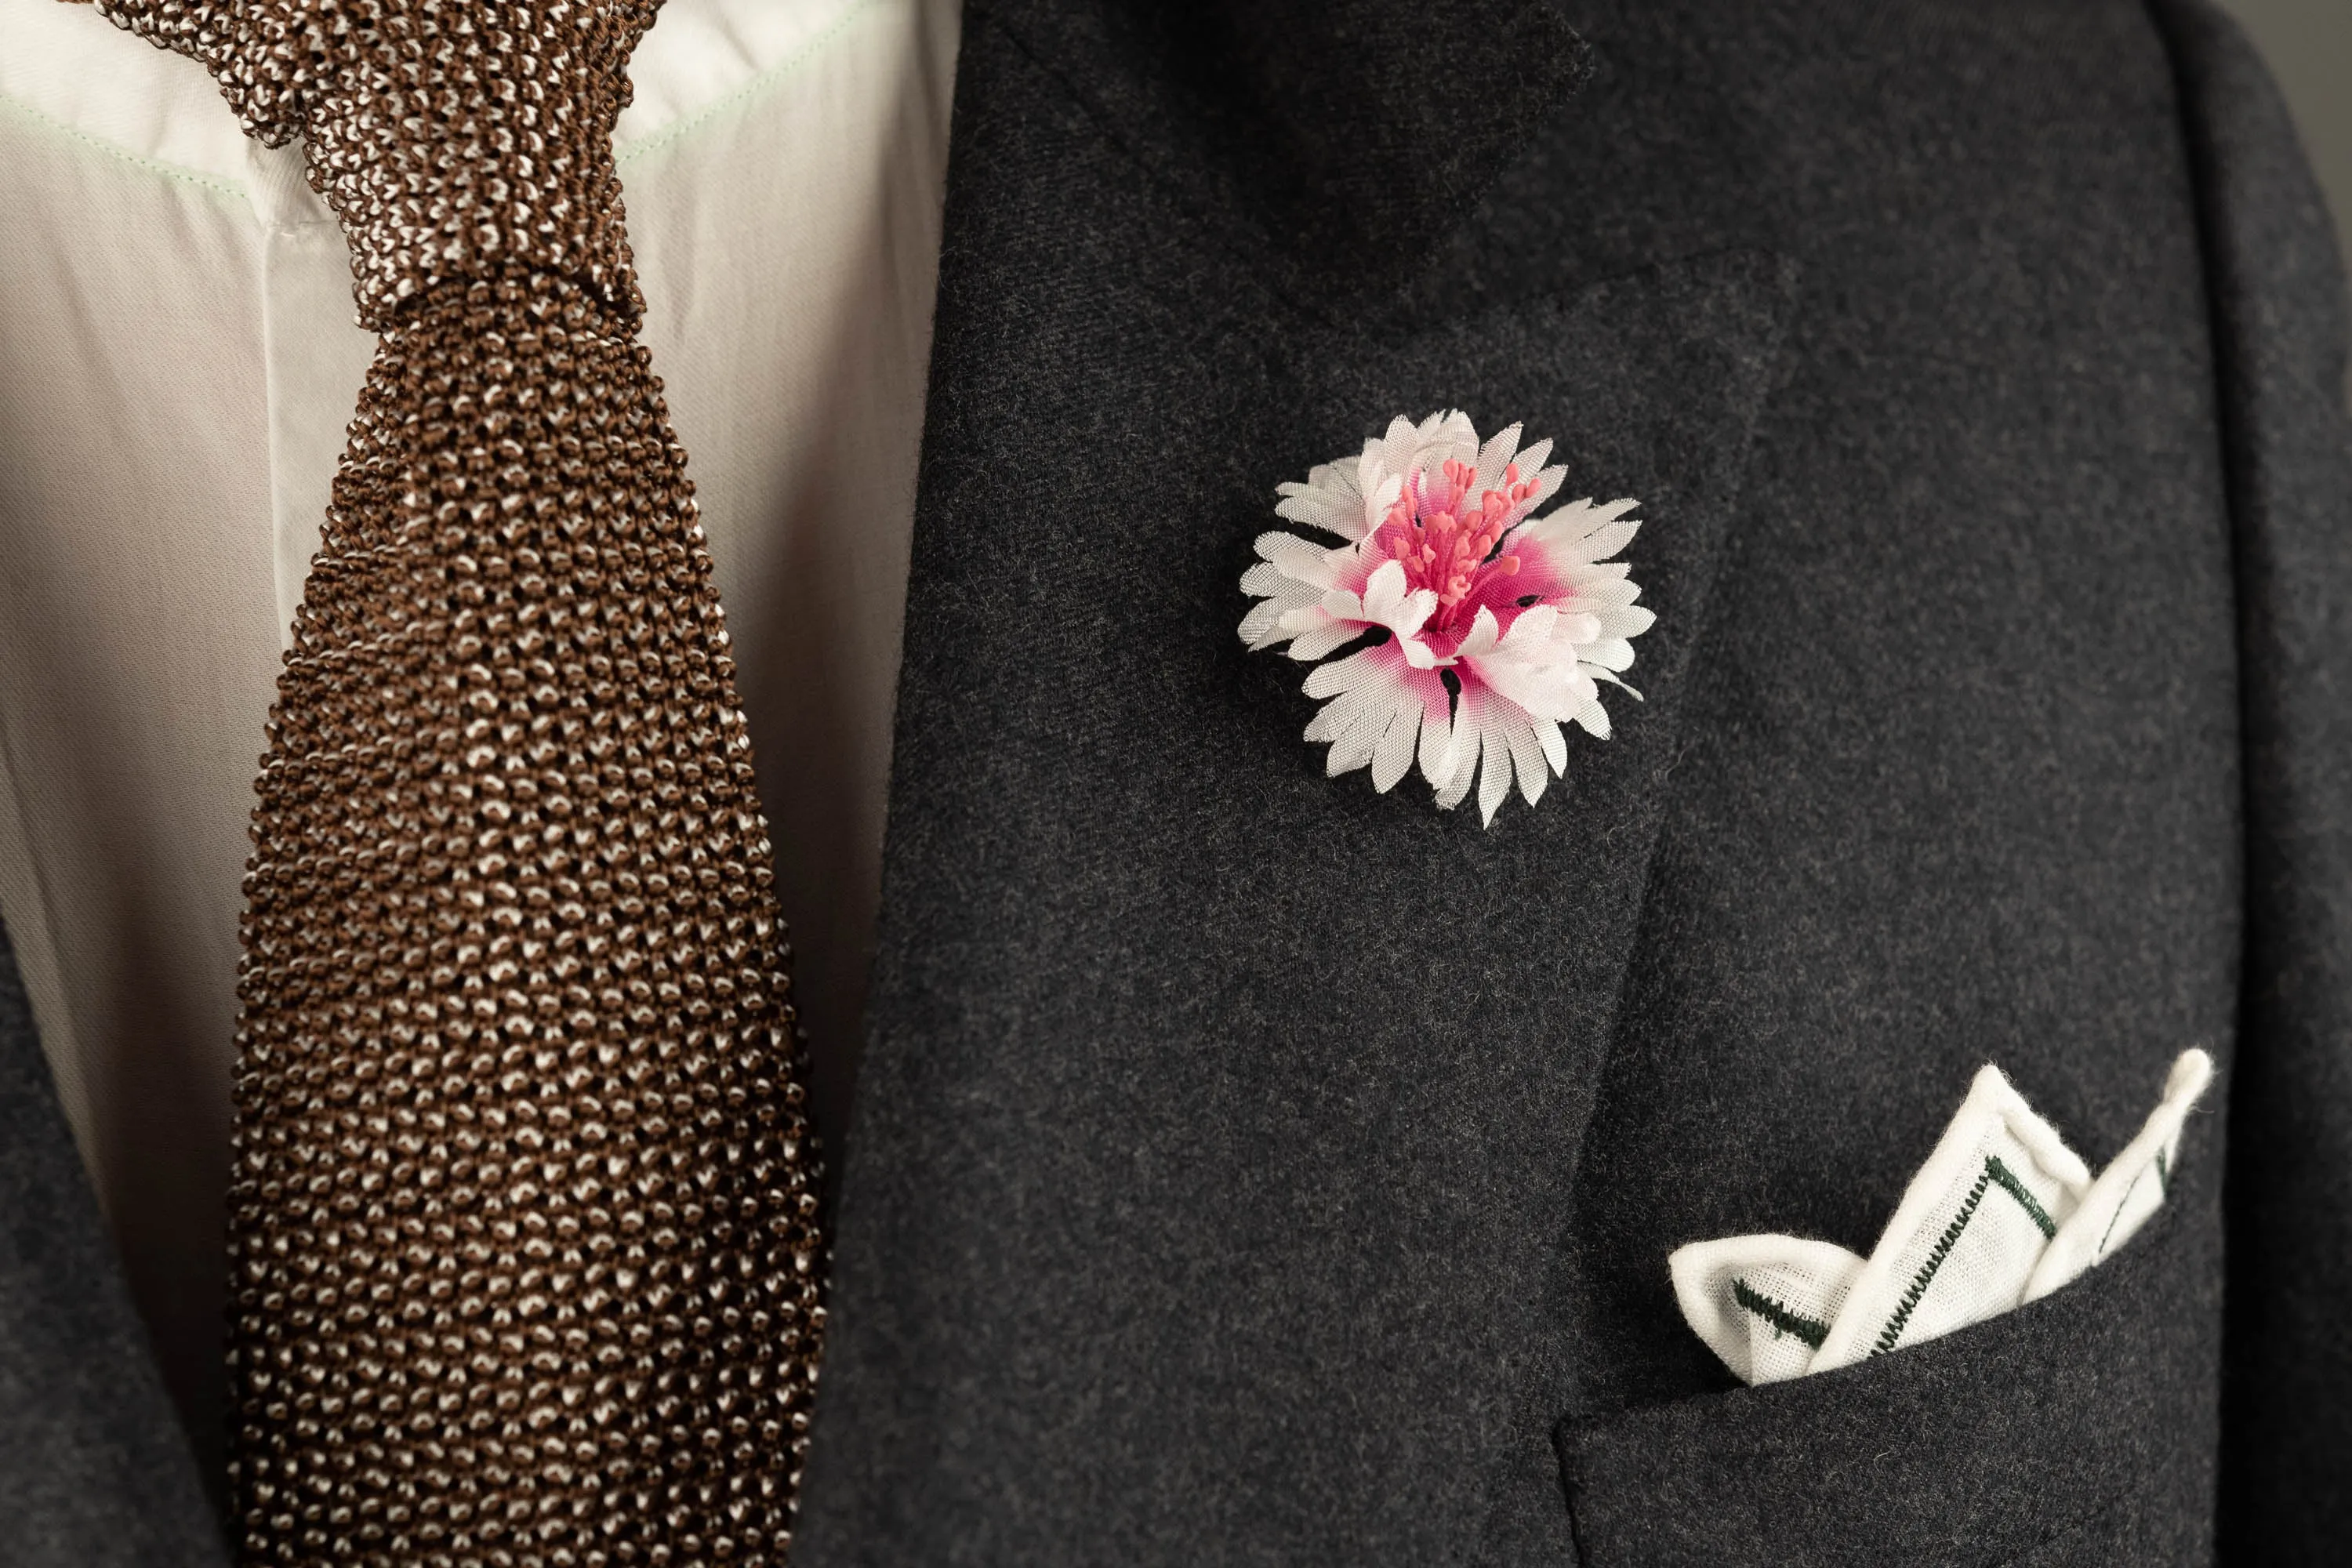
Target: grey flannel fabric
95	1471
1249	1168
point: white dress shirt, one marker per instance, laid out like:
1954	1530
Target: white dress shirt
178	360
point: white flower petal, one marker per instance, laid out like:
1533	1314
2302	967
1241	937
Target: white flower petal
1392	758
1615	591
1609	653
1386	602
1554	744
1548	689
1384	593
1419	606
1530	629
1566	524
1440	749
1346	674
1354	745
1262	628
1281	616
1299	558
1625	621
1598	674
1571	631
1493	458
1331	500
1427	448
1262	580
1548	482
1594	717
1527	758
1494	769
1315	643
1377	499
1482	638
1341	605
1608	538
1574	527
1331	719
1465	768
1340	514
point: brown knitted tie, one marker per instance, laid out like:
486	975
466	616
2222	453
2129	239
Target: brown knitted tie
523	1259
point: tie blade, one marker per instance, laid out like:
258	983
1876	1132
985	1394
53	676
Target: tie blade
524	1256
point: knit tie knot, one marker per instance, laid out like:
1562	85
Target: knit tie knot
453	139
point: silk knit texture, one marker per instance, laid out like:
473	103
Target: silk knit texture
524	1267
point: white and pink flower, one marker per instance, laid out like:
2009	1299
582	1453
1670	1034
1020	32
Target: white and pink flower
1500	625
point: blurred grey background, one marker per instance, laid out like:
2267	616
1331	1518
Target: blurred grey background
2309	46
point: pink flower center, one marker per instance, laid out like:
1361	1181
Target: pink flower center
1446	541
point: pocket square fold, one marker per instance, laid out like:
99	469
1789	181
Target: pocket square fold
2002	1213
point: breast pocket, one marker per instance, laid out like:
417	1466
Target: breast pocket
2078	1430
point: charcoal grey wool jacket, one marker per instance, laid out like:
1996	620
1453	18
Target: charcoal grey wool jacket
1249	1167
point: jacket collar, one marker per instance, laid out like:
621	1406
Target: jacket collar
1336	139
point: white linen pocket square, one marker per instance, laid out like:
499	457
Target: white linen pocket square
2002	1213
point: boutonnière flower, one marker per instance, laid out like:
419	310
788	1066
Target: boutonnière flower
1486	629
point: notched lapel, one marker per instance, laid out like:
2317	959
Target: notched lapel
1216	1116
1206	1093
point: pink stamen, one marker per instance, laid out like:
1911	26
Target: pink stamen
1444	540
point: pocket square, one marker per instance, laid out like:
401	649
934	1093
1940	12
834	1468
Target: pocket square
2002	1213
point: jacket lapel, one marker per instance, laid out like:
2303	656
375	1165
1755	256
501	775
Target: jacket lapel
1217	1115
94	1469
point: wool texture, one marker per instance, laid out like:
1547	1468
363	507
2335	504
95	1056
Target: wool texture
95	1471
1251	1168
